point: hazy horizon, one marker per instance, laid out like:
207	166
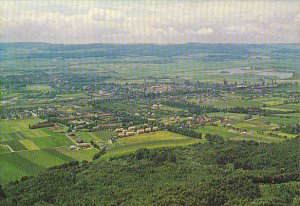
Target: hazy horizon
157	44
150	22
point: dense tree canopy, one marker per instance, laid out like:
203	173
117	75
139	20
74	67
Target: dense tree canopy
217	172
2	194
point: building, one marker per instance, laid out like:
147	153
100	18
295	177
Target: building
119	130
130	133
155	129
140	131
131	128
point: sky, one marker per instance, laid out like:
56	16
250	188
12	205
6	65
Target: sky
156	21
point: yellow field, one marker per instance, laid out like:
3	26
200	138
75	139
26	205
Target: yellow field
29	144
155	136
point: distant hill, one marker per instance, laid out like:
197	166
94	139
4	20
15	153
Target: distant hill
282	55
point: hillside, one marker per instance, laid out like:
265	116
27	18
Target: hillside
216	172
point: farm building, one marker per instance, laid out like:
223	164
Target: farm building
119	130
131	128
73	147
155	129
130	133
120	135
84	145
141	131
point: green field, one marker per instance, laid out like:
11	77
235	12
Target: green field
8	126
98	136
27	163
234	135
275	120
29	144
4	149
230	103
79	155
57	140
15	145
34	150
152	140
11	136
39	87
17	164
235	116
34	133
285	107
220	130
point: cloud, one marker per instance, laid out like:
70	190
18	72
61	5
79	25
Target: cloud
205	31
150	21
234	29
105	14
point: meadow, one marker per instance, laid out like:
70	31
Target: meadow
152	140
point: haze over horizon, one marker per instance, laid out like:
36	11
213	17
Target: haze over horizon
154	22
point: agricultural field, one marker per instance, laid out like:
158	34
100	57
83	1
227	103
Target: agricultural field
235	116
8	126
39	88
4	149
97	136
187	95
26	152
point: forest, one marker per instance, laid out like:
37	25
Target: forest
217	172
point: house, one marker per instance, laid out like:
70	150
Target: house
148	130
131	128
140	131
120	135
130	133
84	145
73	147
119	130
155	129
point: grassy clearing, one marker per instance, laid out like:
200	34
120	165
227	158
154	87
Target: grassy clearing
98	136
257	138
217	130
153	140
79	155
151	137
126	149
